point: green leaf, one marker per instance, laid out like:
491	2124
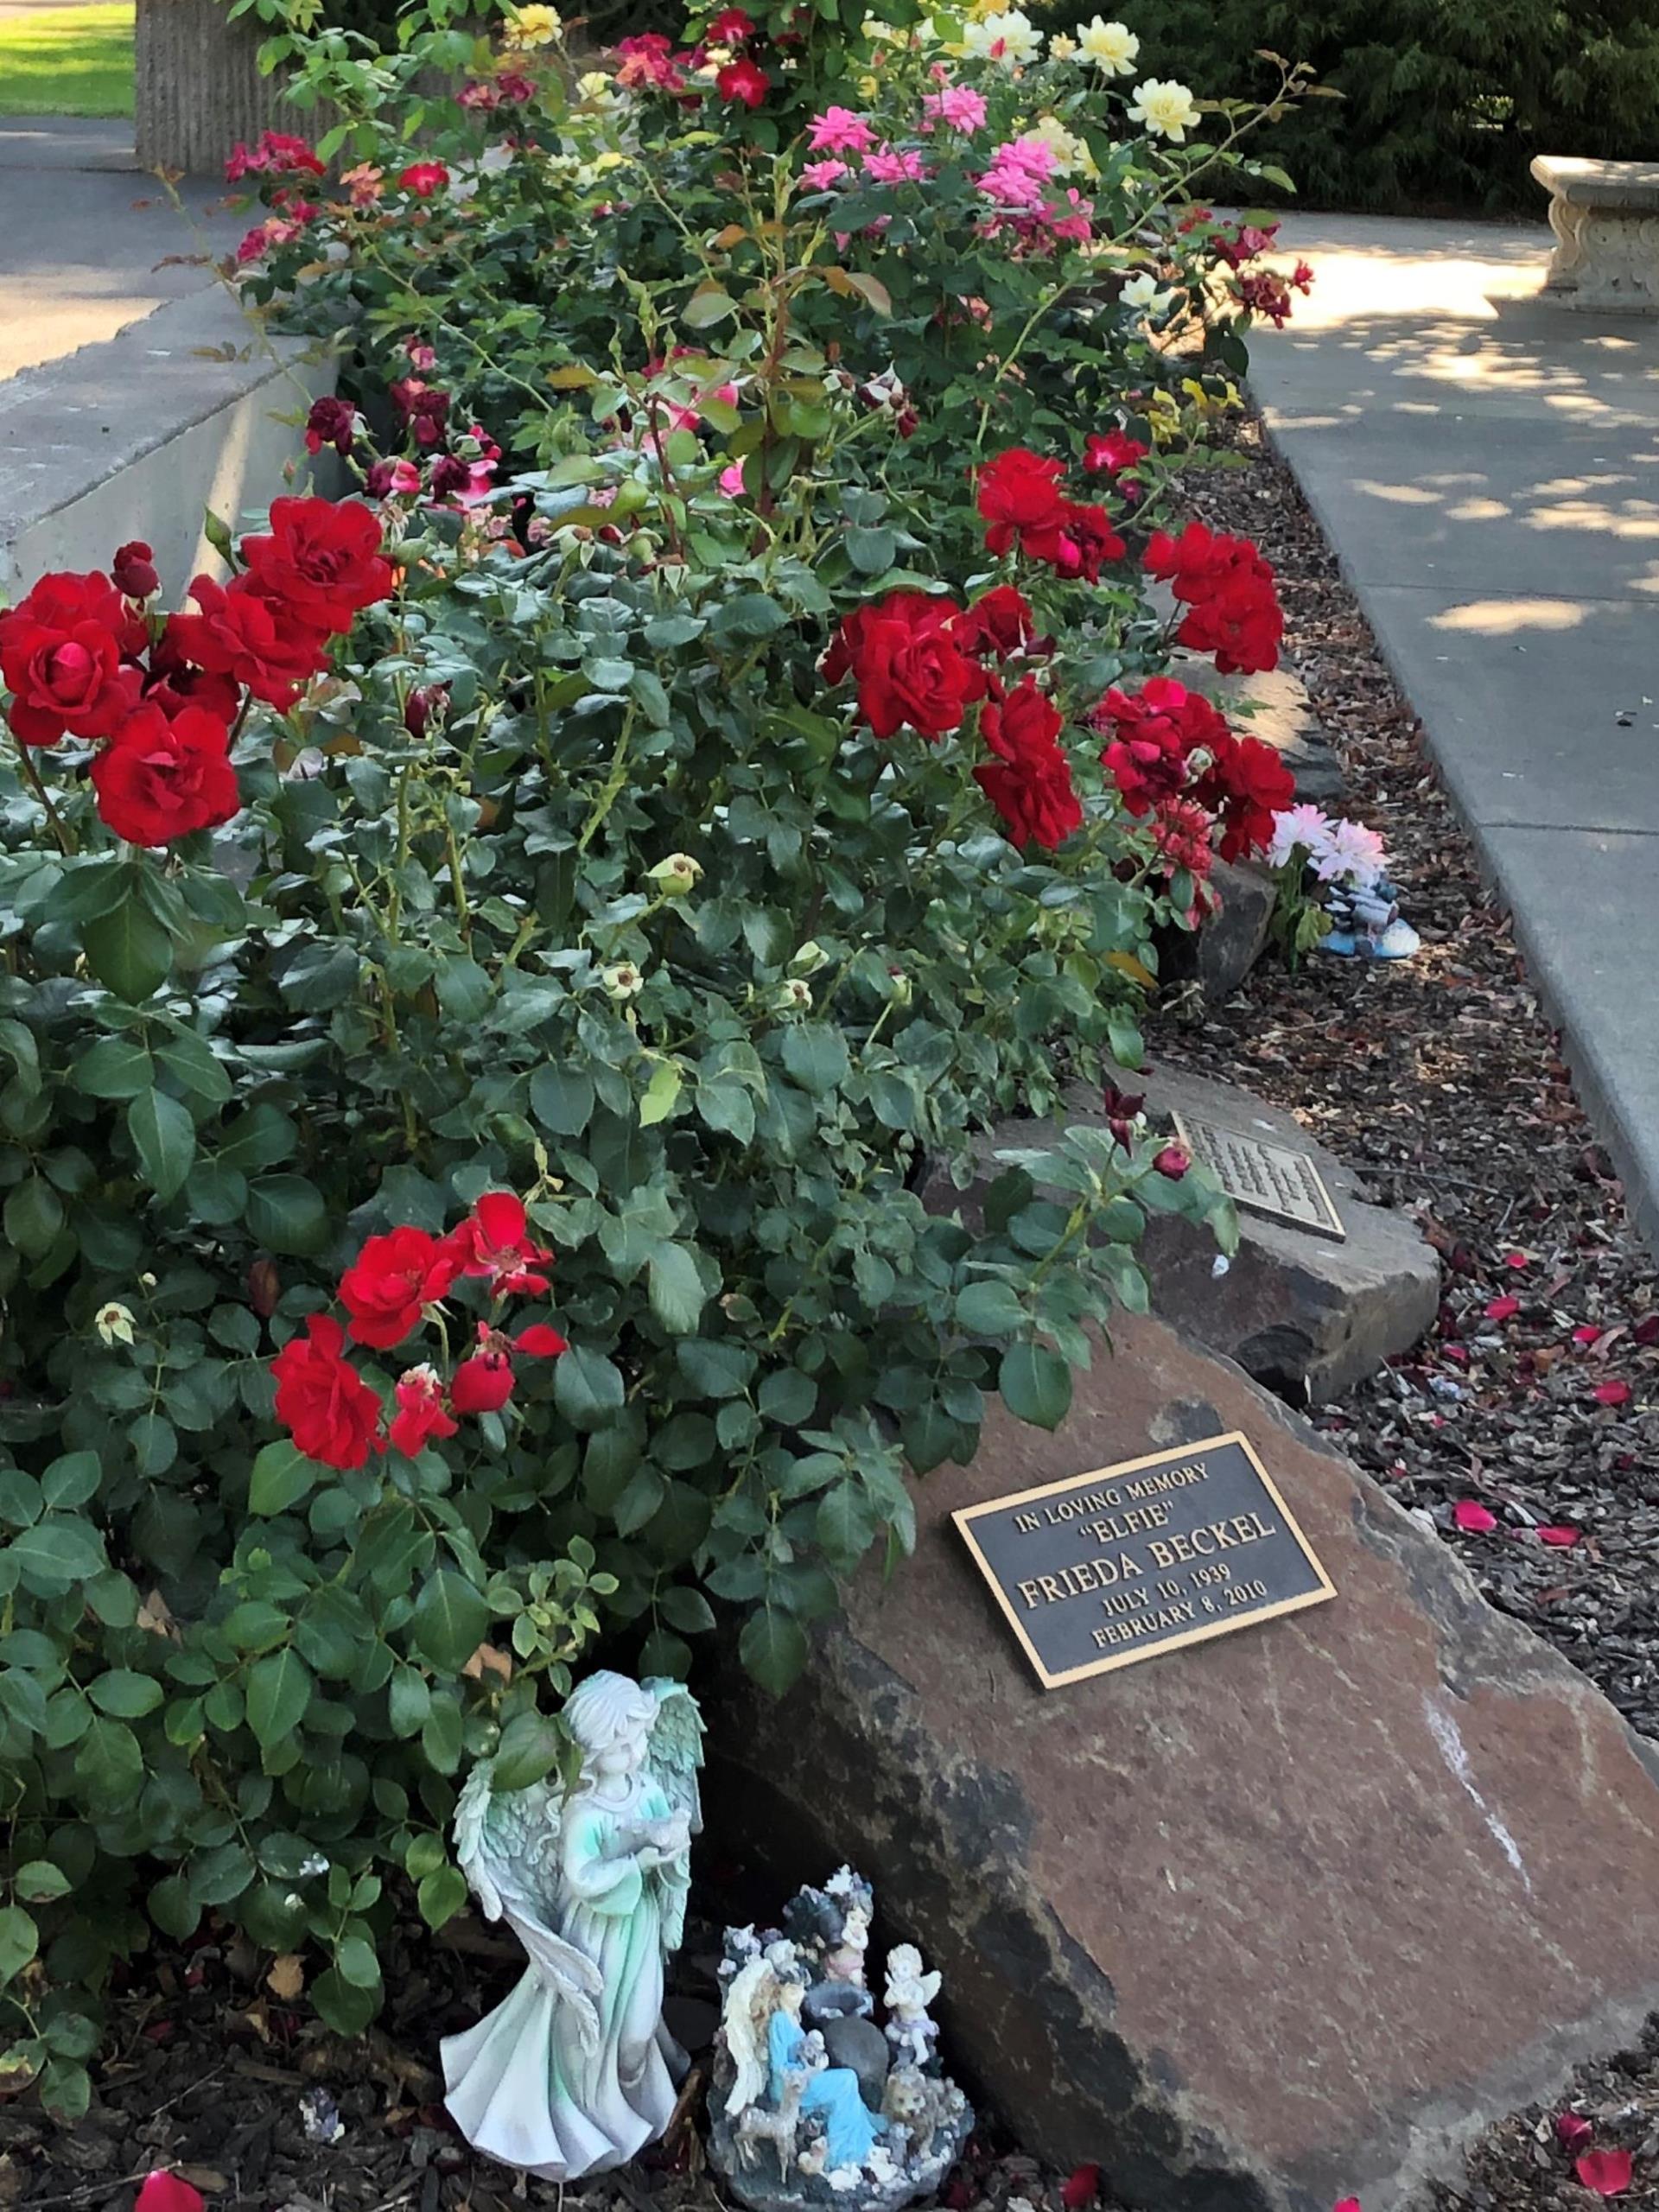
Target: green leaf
19	1941
279	1695
451	1620
125	1694
530	1747
117	1067
708	305
34	1217
172	1909
562	1099
55	1552
441	1895
662	1093
346	2010
408	1699
286	1213
164	1137
773	1648
588	1388
687	1610
678	1297
355	1958
40	1881
816	1055
71	1480
128	950
1036	1384
281	1476
989	1309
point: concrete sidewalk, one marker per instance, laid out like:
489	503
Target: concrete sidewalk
1486	467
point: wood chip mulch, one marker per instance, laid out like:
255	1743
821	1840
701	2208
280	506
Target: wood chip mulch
1536	1398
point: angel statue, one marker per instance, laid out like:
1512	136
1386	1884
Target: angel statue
776	2064
575	2071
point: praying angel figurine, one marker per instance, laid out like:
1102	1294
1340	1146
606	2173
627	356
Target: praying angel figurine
575	2070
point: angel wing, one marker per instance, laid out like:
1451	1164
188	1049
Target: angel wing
748	2053
674	1748
507	1846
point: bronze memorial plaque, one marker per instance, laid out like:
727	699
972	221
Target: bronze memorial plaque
1106	1568
1262	1175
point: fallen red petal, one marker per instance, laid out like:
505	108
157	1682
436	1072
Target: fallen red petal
1474	1519
1515	1260
1502	1309
1586	1333
1350	2204
1572	2130
1607	2172
1646	1331
1562	1535
1080	2187
165	2192
1612	1393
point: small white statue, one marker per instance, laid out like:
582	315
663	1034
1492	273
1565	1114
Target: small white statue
575	2071
912	2034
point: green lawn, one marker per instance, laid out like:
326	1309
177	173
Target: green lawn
67	60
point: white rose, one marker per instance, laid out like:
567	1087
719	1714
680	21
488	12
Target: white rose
1166	108
1113	47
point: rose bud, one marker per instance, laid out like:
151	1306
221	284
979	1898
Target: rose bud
422	705
134	571
481	1384
1172	1161
675	876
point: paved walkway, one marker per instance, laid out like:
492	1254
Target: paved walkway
1487	469
89	244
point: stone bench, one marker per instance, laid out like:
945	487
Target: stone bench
1606	218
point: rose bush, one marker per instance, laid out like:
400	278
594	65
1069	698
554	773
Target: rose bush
503	984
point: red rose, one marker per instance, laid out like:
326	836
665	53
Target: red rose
744	80
907	667
158	779
1233	610
60	651
1245	786
483	1383
1113	453
323	1401
423	178
1087	541
1180	829
494	1241
1000	621
391	1280
240	633
1019	497
134	571
173	684
1153	734
321	562
1029	783
420	1415
731	27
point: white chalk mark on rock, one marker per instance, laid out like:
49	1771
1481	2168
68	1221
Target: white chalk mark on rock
1444	1729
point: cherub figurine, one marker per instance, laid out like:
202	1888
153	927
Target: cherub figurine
913	2036
575	2071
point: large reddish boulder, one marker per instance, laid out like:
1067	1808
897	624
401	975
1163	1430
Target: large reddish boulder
1258	1924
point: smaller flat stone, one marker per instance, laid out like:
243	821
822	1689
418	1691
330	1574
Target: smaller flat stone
1634	184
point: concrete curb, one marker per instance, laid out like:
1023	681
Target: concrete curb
136	437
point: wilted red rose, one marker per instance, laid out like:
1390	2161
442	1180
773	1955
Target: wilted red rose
494	1241
238	632
423	178
321	561
743	80
1087	541
420	1415
1172	1162
60	650
134	571
1029	783
907	667
158	779
323	1401
424	410
1154	732
391	1280
331	423
174	684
